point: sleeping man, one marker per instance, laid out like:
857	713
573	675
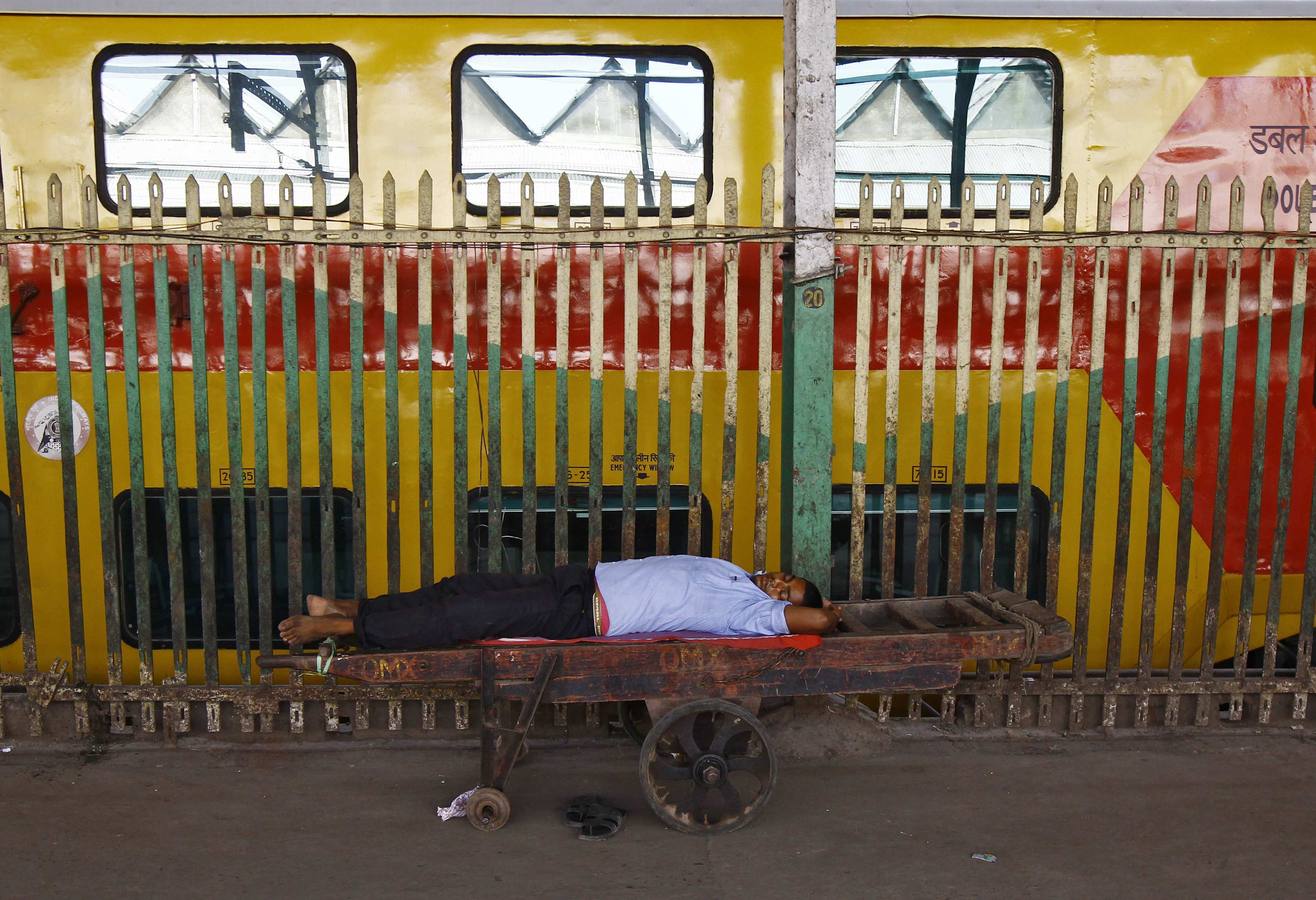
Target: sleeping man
660	594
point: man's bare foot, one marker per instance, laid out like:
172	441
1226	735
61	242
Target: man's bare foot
323	606
297	631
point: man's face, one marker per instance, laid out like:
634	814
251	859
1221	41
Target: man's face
781	586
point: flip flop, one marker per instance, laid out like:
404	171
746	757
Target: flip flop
603	822
580	808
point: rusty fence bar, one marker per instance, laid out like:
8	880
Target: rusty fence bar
1139	471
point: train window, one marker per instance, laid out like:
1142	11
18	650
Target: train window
646	525
948	114
582	111
939	542
157	552
211	110
10	626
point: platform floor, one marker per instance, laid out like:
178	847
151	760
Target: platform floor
1224	815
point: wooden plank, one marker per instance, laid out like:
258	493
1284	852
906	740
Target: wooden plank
460	387
1000	275
561	362
292	405
596	252
910	618
1023	520
356	350
261	439
663	523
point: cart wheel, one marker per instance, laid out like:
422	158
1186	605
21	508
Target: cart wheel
488	809
634	718
707	767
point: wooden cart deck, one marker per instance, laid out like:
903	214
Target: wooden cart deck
884	645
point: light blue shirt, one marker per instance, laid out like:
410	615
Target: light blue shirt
686	593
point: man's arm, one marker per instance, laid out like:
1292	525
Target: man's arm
812	620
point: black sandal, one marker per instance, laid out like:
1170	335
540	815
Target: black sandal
602	823
581	808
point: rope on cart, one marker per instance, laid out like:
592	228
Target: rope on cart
1032	629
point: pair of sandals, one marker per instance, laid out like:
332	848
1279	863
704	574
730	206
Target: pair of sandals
594	817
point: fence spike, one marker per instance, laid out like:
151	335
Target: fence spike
258	197
390	201
1105	200
1036	199
285	202
1236	192
318	201
596	204
459	201
934	204
768	196
425	200
55	202
1071	203
665	201
155	193
563	202
89	215
192	200
1268	198
225	191
356	202
866	203
630	192
527	202
701	202
123	192
494	203
1003	204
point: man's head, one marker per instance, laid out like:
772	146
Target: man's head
790	588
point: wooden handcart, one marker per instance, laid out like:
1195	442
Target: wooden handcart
707	765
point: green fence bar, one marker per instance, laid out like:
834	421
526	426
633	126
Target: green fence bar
323	410
425	379
356	350
260	430
392	451
493	312
1023	519
730	365
529	421
234	451
663	515
561	365
1220	510
698	314
1188	480
1000	275
201	438
894	310
293	427
460	387
762	445
963	360
630	399
67	447
863	340
100	415
928	386
1091	454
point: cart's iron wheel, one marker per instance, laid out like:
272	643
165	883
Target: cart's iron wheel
707	767
488	809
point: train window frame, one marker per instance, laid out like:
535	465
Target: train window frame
105	190
124	561
981	211
477	517
635	51
14	629
1007	509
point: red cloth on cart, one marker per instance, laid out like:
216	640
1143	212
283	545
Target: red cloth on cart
771	642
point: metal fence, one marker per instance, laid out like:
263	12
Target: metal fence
976	320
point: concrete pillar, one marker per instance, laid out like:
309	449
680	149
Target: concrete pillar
808	304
